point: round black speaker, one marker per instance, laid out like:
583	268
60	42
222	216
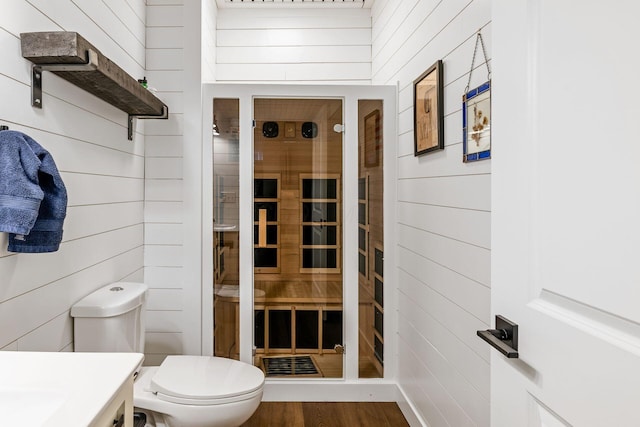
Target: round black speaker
270	129
309	130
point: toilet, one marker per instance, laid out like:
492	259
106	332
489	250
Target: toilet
184	391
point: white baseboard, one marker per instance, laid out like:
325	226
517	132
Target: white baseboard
412	418
408	410
329	391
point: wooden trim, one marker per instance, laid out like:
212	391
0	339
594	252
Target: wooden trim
266	330
262	228
338	223
262	221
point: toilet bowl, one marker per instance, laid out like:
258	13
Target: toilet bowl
196	391
184	391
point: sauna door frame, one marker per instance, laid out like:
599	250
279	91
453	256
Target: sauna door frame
350	96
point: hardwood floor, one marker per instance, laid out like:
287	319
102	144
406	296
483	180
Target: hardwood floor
327	414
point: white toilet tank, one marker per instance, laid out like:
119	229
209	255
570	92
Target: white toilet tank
111	319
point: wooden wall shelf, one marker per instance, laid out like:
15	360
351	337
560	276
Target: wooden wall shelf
70	56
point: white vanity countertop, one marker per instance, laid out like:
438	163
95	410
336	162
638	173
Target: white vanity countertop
60	389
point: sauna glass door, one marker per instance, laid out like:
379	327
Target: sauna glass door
297	237
226	227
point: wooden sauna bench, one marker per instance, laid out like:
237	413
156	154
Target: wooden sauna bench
295	292
292	296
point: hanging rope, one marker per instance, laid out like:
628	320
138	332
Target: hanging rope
480	41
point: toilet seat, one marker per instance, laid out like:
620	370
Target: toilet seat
203	380
208	402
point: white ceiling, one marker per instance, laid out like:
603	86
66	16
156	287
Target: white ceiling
325	4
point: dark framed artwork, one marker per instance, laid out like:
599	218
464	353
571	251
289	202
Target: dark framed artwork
428	117
372	139
476	123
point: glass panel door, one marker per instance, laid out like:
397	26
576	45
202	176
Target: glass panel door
297	242
226	229
370	239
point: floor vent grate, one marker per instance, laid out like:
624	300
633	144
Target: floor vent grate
290	365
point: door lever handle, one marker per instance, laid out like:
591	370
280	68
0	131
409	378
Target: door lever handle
503	338
501	334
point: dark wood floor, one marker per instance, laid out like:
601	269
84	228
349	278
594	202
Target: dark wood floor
327	414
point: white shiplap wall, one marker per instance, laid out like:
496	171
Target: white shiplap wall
163	210
176	61
304	46
172	182
209	16
102	170
443	213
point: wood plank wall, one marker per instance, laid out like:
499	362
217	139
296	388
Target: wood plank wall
294	46
177	37
102	170
291	157
444	209
209	54
443	205
171	269
164	210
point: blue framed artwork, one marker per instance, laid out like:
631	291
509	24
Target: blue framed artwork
476	123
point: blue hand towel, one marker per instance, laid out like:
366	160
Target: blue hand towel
33	198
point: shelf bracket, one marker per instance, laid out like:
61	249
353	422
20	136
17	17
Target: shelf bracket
37	69
131	122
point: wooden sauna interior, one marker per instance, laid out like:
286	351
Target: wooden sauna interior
298	229
370	239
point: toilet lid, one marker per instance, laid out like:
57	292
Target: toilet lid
205	378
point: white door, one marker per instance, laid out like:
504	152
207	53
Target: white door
566	211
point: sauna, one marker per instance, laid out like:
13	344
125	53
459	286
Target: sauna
298	270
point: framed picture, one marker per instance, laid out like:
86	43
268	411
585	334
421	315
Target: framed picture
476	123
372	141
428	117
